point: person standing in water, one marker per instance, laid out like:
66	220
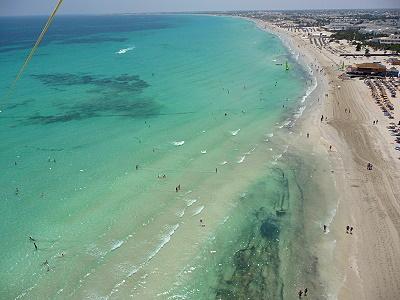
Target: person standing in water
305	292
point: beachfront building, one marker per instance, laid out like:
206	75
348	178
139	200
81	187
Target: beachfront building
337	26
367	69
393	39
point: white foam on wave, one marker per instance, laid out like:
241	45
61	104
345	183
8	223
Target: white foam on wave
270	135
116	245
223	163
124	50
309	90
179	143
190	202
164	240
250	151
181	213
300	111
198	210
241	159
203	151
235	132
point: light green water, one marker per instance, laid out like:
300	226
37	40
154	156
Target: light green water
84	116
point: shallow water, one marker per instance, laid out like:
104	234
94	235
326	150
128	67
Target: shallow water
197	98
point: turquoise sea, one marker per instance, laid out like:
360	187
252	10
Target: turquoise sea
110	104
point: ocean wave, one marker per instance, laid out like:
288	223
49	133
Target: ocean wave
286	123
190	202
198	210
124	50
223	163
180	143
241	159
181	213
270	135
235	132
116	245
250	151
203	151
164	240
299	112
309	90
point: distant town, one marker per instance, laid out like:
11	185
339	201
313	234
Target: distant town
375	29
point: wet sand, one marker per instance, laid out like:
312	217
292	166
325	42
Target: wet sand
366	264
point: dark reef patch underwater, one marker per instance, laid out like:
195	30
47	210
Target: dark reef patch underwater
112	96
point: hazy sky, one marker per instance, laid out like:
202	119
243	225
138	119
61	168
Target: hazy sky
29	7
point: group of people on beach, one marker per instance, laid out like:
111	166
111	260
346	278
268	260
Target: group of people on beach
349	229
301	293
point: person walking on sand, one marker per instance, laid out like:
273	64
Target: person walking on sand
347	228
305	292
308	135
330	147
325	228
351	230
300	294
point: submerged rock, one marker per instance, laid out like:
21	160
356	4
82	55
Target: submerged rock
269	229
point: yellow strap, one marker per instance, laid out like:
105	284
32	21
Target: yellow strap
33	50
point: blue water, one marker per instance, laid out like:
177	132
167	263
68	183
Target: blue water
105	94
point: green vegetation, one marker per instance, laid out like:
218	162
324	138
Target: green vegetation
360	39
352	34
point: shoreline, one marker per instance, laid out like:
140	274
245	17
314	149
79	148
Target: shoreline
365	265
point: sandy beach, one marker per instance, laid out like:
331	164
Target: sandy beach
365	264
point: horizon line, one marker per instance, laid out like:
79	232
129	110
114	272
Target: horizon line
204	12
